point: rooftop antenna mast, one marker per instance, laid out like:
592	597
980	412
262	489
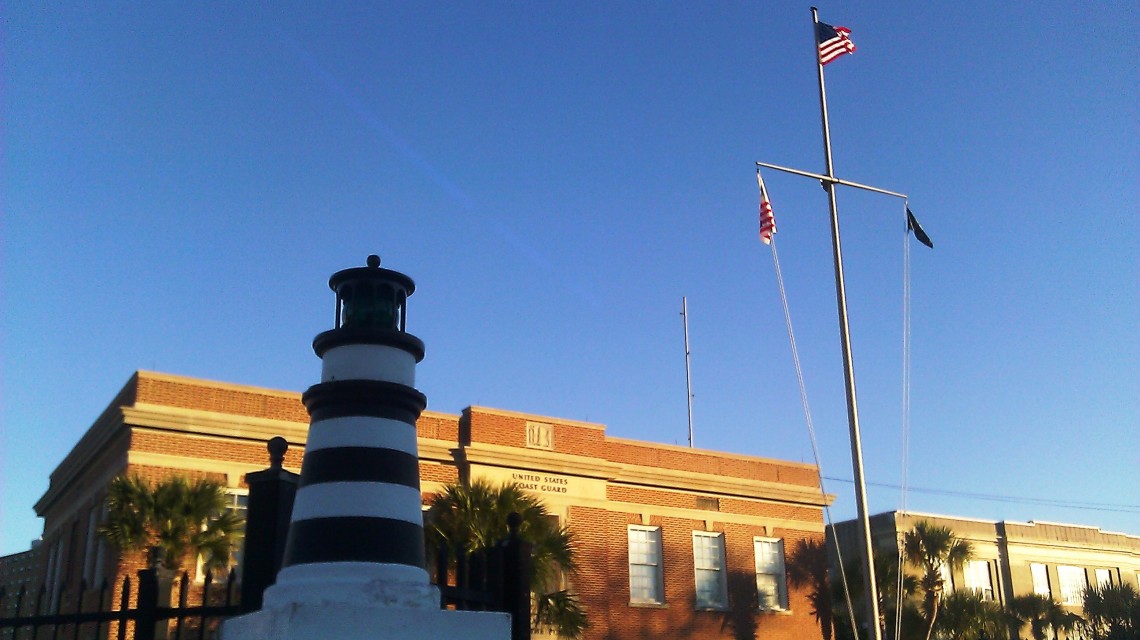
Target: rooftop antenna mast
688	375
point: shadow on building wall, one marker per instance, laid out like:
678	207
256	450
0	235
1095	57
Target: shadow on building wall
807	571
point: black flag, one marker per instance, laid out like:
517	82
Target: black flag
912	225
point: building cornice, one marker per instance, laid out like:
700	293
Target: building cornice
109	426
234	471
649	511
432	450
638	475
537	460
209	423
710	452
656	478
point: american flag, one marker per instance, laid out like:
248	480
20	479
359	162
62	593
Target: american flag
767	221
833	42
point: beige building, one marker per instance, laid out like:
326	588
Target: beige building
1016	558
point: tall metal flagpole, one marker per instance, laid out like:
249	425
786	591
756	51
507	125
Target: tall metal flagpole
848	366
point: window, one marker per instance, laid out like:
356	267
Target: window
54	552
708	565
55	569
947	579
645	579
1040	580
558	580
1103	578
100	561
89	548
237	502
1073	582
771	582
978	580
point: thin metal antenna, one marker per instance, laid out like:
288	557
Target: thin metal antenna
688	375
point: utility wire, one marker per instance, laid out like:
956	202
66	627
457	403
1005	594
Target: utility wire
1047	502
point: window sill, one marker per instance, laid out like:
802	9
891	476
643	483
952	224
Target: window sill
775	612
649	605
718	609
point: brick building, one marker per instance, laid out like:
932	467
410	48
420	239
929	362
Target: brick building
671	541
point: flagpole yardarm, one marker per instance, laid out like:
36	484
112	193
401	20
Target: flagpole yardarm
838	181
870	588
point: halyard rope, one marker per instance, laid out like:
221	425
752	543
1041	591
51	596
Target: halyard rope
811	434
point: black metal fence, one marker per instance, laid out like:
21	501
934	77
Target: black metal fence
26	615
495	580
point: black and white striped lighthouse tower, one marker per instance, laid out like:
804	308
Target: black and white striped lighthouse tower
354	559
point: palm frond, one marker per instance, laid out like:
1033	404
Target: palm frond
473	517
180	517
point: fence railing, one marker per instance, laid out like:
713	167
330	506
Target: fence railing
494	579
26	616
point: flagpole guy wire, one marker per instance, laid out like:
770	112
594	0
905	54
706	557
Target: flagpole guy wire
811	433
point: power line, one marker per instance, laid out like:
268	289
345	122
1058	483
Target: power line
1048	502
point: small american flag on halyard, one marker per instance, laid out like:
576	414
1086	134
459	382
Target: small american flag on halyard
767	220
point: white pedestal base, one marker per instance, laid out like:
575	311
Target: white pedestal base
340	621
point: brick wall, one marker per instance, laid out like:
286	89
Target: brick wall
183	393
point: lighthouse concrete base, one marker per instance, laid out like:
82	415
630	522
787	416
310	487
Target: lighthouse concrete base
342	621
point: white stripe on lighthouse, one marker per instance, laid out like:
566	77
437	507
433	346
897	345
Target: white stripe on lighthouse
361	499
362	431
369	362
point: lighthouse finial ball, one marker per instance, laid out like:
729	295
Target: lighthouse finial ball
373	261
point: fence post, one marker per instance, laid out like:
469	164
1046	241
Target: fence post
271	494
147	620
516	579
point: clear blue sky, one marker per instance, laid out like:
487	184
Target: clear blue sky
179	181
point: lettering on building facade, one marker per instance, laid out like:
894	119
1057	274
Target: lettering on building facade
540	482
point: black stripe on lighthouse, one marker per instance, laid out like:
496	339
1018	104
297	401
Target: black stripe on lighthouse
374	398
361	464
355	539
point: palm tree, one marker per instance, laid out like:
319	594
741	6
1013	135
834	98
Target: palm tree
887	581
473	517
931	548
966	615
179	517
1112	612
1041	613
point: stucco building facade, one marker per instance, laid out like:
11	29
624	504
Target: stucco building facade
1015	558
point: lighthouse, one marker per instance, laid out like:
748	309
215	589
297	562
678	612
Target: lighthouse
354	562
